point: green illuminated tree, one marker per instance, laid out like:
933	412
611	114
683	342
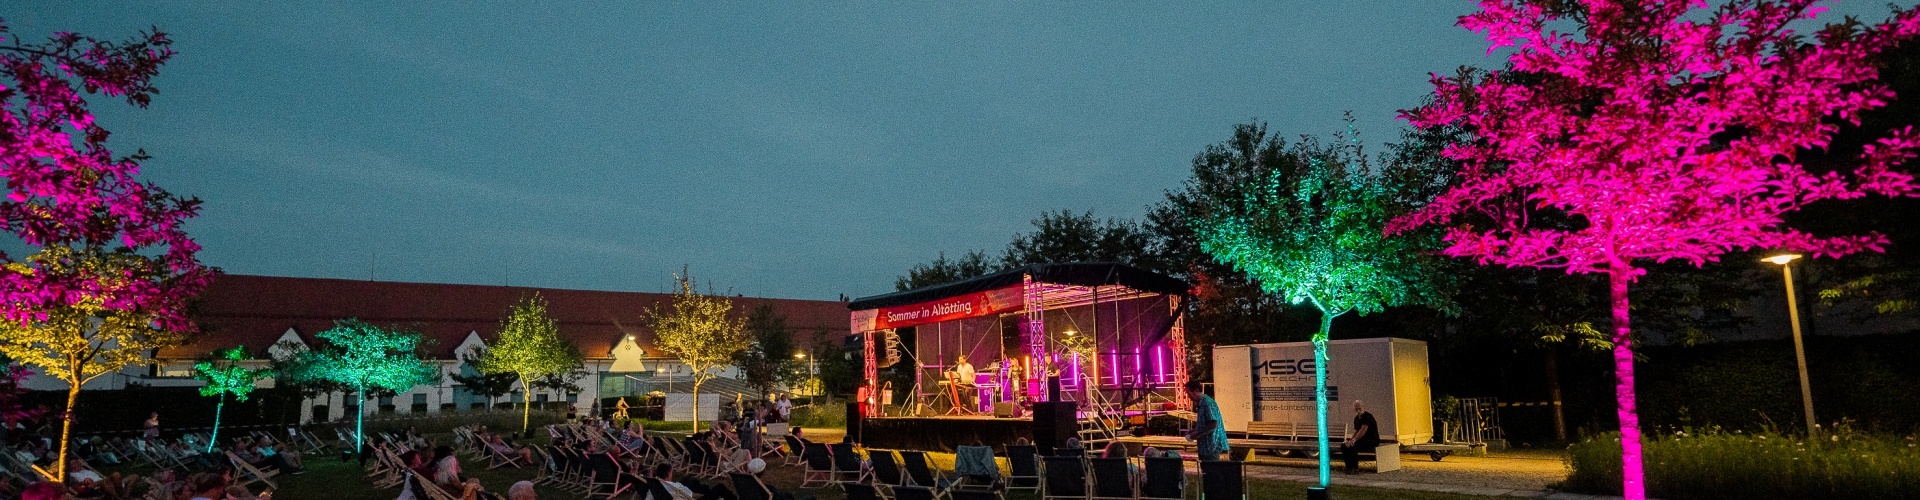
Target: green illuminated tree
365	357
1308	226
699	330
225	375
530	347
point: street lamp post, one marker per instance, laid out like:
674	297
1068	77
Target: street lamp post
1799	350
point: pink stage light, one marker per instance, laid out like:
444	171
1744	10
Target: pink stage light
1159	366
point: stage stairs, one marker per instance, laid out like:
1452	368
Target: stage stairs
1095	432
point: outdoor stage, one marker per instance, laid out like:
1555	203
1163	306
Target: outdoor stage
1103	339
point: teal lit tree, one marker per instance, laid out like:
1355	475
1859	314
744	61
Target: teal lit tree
225	375
362	356
1306	223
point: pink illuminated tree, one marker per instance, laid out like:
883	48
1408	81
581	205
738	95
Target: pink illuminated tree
112	266
1661	132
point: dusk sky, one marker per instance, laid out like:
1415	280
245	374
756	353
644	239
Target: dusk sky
798	150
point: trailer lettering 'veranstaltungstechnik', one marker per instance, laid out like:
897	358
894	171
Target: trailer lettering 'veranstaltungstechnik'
1274	383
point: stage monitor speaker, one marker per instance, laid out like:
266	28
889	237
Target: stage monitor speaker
856	418
1005	409
1053	423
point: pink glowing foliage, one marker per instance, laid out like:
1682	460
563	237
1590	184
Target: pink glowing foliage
1663	132
67	192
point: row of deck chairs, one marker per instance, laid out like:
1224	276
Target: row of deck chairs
1068	475
388	471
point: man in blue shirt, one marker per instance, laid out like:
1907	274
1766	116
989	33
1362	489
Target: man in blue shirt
1207	433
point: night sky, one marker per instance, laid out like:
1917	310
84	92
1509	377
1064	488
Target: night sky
798	150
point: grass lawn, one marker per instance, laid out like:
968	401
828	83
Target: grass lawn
329	478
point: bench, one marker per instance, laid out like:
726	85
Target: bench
1304	437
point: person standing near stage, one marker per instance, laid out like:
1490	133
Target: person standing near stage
1365	437
151	428
1207	431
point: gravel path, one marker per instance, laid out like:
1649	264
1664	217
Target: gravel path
1520	474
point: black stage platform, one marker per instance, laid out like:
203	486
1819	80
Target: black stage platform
942	433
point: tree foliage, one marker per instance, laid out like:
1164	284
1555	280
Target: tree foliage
222	375
113	266
698	329
364	357
1308	226
531	348
1664	134
768	359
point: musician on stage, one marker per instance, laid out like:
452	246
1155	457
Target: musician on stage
963	375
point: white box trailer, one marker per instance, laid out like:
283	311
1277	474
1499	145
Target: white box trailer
1274	383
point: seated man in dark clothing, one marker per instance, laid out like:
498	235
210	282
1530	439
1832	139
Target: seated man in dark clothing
1363	437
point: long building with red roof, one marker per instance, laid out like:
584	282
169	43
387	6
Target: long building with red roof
269	315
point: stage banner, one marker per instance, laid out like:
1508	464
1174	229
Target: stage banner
935	311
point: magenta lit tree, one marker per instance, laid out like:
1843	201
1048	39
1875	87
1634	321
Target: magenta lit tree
1662	133
111	267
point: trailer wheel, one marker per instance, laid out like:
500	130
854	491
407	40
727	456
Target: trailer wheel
1437	455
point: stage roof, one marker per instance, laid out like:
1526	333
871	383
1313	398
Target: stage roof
1075	273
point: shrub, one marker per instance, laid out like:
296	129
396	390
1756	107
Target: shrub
1713	463
820	415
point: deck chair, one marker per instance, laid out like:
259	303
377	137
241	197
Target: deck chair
603	478
918	470
1165	478
656	489
1025	462
1063	477
860	491
549	467
248	475
846	463
497	458
430	491
1112	479
749	487
1223	480
794	446
1069	452
974	466
819	466
886	469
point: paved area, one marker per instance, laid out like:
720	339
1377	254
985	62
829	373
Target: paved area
1519	474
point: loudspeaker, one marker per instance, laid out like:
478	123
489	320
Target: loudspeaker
1006	409
1053	423
856	418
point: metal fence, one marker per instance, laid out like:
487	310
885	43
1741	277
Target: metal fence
1474	421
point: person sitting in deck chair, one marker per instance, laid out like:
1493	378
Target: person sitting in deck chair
758	466
689	490
498	445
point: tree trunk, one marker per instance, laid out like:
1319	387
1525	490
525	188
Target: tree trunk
526	410
215	437
1320	395
359	420
1631	473
1553	394
66	429
696	404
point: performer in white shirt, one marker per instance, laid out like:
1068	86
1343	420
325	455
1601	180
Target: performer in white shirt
963	380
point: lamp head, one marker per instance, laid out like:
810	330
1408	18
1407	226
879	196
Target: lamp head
799	355
1781	259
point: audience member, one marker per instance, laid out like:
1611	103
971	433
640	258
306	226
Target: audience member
521	491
